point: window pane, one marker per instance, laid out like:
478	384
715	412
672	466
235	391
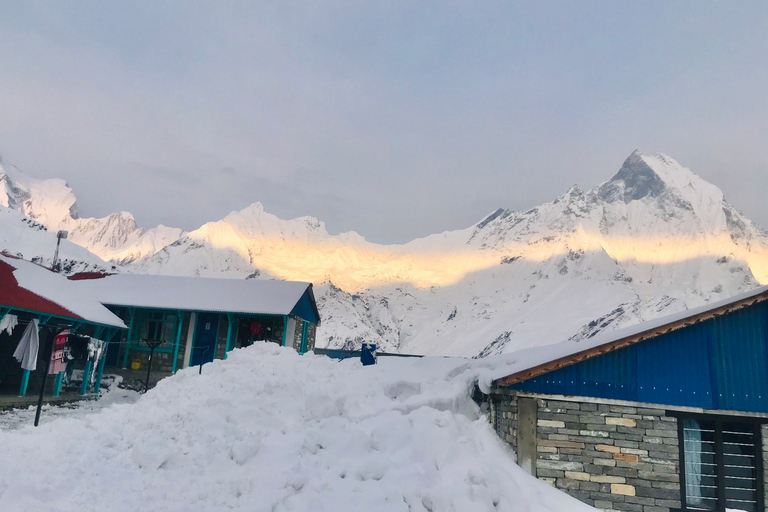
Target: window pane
739	466
700	468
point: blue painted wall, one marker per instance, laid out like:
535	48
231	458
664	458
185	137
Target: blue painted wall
721	363
304	309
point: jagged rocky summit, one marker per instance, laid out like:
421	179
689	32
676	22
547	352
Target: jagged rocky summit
653	240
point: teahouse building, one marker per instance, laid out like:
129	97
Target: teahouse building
199	319
31	292
667	415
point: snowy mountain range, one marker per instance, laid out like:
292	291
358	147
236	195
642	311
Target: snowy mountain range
653	240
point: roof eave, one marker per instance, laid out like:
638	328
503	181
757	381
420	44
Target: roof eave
578	357
69	319
312	301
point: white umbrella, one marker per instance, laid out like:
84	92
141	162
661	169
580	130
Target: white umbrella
26	351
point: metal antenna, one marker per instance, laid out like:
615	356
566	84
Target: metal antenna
55	264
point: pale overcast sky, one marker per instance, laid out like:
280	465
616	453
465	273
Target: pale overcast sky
393	119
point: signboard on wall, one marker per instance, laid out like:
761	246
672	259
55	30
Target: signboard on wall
57	364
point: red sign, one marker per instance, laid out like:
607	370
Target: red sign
58	364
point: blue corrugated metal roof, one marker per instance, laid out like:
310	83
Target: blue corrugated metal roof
305	308
721	363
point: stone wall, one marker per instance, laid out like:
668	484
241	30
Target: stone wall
504	415
311	337
614	457
297	333
764	436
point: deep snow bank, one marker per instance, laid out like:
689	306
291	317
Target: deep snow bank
269	430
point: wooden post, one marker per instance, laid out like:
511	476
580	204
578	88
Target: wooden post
132	313
190	339
180	322
230	326
57	383
24	383
86	377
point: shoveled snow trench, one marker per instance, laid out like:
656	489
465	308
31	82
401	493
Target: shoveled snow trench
269	430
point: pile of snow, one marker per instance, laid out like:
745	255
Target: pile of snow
268	429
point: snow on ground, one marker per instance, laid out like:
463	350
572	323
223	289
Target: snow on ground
268	429
19	418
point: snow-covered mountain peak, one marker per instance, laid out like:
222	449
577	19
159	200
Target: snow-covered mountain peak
50	201
660	177
255	220
52	204
654	239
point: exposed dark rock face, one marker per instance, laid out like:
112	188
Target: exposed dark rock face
635	180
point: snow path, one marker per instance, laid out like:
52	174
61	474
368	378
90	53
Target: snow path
269	430
15	419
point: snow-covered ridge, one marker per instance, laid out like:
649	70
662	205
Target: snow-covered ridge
52	203
652	240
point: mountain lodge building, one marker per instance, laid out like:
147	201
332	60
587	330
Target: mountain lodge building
190	320
196	320
668	415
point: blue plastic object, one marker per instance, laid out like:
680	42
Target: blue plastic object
368	354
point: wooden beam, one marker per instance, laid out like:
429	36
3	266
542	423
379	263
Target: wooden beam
578	357
230	330
179	325
132	315
86	377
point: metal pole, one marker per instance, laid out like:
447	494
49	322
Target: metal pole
132	314
45	378
152	344
55	263
149	367
202	359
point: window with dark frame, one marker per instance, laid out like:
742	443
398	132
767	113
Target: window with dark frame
721	464
159	325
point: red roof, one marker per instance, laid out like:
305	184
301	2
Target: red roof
81	276
14	296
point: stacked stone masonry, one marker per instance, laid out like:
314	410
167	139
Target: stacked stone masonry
504	417
764	437
613	457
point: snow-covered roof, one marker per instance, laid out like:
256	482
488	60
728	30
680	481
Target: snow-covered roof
245	296
27	286
516	363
